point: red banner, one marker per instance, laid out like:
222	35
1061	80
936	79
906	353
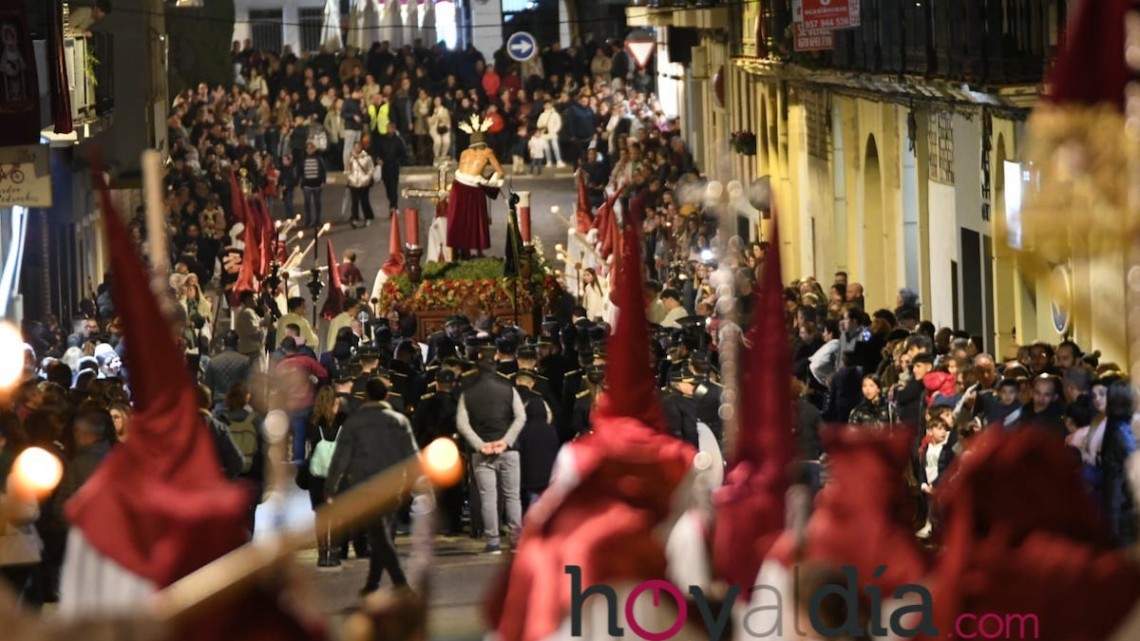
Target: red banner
828	15
19	84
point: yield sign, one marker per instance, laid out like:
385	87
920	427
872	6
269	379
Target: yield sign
521	46
640	44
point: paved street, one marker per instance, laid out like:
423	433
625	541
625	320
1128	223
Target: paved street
371	243
460	575
460	578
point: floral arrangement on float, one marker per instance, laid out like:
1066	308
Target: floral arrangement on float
445	286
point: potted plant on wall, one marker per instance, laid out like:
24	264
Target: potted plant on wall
743	142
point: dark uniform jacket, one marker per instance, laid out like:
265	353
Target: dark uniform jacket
579	416
680	416
435	417
707	395
372	439
538	443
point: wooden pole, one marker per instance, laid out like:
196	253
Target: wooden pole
155	213
157	242
220	581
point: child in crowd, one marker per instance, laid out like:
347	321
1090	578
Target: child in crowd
537	147
934	458
213	219
1001	406
519	151
941	381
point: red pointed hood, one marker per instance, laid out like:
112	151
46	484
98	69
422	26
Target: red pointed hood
583	199
750	507
1090	67
266	235
395	263
334	302
158	505
251	255
606	223
237	201
630	389
1022	537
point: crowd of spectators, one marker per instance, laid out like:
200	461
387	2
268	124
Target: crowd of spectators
288	121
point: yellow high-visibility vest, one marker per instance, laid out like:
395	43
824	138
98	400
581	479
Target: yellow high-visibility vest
378	118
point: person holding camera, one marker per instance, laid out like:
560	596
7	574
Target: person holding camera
252	325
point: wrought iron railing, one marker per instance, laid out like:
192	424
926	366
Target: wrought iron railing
986	42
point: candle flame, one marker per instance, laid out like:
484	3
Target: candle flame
36	472
442	463
11	355
276	426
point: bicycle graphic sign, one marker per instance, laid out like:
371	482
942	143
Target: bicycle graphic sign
24	177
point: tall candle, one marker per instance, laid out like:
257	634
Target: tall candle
412	226
524	216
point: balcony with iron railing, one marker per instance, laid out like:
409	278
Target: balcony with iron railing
90	74
979	42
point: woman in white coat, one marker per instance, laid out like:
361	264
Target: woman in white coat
358	175
439	128
549	125
595	295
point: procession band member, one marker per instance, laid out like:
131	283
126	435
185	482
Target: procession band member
469	225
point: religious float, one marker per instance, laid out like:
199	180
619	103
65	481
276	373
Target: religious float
519	287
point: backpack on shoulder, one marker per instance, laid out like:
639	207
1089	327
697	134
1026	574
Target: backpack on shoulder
245	436
322	456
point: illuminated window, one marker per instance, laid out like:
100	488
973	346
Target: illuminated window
446	18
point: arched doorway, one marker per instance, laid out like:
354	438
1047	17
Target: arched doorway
874	231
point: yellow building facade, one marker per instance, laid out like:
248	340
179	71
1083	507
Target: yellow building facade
898	181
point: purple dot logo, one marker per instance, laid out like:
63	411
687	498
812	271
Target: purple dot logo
657	586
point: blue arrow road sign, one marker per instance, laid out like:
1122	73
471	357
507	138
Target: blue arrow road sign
521	46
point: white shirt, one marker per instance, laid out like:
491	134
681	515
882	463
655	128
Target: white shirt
822	362
1096	437
933	453
672	316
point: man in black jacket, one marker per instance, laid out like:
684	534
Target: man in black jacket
392	155
680	408
538	442
313	177
490	416
372	440
435	418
